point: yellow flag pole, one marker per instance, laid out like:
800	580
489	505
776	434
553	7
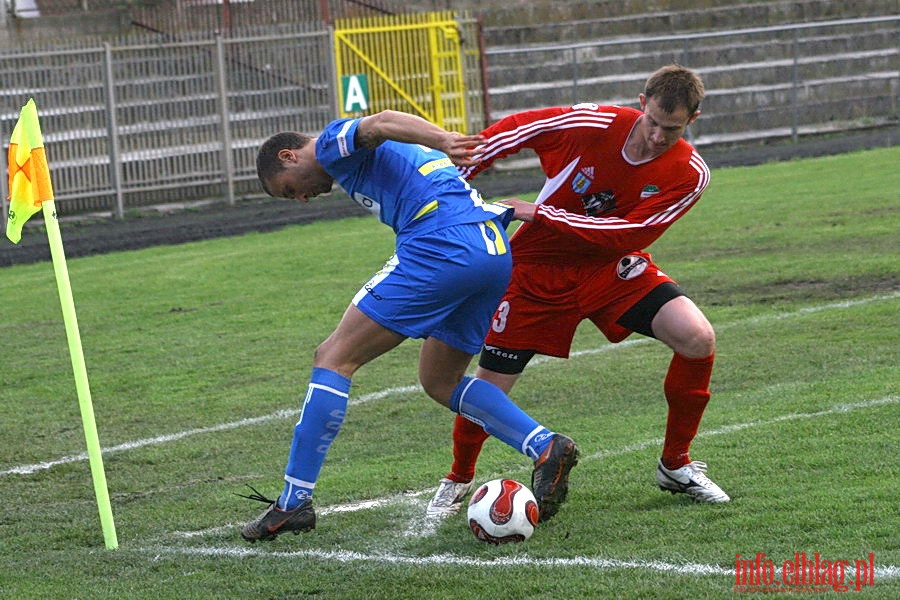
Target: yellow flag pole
81	380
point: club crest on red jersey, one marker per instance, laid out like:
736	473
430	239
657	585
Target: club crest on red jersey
631	266
581	182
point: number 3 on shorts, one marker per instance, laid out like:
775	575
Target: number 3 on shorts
499	322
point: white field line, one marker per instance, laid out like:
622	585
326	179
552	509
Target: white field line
291	413
172	437
837	409
422	526
346	556
694	569
425	527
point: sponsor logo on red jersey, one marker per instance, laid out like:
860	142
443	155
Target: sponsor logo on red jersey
599	203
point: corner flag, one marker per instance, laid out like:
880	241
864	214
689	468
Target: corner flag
29	176
30	191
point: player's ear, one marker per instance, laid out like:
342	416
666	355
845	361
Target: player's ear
286	155
694	116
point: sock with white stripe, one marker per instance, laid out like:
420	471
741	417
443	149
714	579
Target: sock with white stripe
484	403
320	421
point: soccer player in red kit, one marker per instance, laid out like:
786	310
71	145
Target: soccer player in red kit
617	178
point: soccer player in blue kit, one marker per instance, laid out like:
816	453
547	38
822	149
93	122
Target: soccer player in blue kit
450	269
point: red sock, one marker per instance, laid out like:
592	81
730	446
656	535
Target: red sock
468	438
687	393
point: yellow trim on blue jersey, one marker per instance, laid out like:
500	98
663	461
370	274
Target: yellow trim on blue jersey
498	239
434	165
428	208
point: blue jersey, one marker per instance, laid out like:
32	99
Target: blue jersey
411	188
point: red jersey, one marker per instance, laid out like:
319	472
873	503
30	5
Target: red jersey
596	204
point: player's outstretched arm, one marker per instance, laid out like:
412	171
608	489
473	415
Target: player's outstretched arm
524	211
411	129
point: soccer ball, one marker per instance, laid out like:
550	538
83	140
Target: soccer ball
501	511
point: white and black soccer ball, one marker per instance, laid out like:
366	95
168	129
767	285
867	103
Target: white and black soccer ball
502	511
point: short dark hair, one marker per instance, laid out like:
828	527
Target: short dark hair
267	162
674	87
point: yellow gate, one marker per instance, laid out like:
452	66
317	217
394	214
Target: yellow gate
413	63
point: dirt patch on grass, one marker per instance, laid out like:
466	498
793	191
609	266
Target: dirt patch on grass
803	290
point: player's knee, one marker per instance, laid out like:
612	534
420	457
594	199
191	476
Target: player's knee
323	353
439	389
701	341
684	328
328	356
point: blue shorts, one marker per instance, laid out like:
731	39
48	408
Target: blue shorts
445	284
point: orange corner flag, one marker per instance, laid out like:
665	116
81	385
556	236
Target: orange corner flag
29	175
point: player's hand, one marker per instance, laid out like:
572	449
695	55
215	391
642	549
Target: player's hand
463	150
523	211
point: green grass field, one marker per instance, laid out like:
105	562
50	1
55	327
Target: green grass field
198	357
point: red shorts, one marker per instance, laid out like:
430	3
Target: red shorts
544	304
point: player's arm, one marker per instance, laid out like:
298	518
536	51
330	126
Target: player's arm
625	234
634	231
510	134
547	131
411	129
522	210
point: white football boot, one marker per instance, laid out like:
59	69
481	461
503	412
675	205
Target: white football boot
448	498
690	479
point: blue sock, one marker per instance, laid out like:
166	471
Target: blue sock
486	404
320	421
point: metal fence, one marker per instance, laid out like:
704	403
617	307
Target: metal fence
158	122
762	82
224	15
128	126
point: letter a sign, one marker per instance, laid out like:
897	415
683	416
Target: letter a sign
355	90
